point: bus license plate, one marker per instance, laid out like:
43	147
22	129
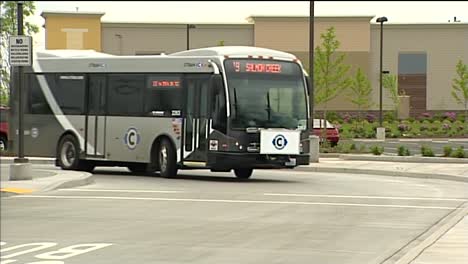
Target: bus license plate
291	162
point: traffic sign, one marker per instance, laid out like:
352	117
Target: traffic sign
20	50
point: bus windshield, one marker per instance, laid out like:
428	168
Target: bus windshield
266	94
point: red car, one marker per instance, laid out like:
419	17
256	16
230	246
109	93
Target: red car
3	128
332	135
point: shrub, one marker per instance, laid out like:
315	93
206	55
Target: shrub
389	116
425	116
403	151
371	118
452	116
427	151
333	117
459	152
377	150
447	151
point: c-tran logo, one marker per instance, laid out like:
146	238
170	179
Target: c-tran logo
280	142
132	138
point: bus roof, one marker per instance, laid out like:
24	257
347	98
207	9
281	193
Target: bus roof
195	61
235	51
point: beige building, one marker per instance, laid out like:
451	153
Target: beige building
423	56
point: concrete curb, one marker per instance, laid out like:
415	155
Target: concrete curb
364	157
64	179
414	248
447	177
37	161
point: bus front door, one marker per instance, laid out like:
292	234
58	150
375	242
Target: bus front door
95	116
196	121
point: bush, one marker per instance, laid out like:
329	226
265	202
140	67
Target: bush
447	151
403	151
427	151
389	116
333	117
377	150
459	153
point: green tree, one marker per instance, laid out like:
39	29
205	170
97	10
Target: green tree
360	90
390	83
8	22
460	86
330	73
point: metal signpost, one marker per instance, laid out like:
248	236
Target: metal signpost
20	54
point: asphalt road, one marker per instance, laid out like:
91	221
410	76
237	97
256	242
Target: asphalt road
202	217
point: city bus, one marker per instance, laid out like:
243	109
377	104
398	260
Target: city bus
227	108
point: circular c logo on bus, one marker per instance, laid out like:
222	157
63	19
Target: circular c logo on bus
280	142
132	138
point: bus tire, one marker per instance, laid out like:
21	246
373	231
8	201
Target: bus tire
167	159
3	143
243	173
68	153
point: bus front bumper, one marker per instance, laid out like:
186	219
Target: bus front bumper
223	160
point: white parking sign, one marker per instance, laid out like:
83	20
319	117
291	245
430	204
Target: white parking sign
20	50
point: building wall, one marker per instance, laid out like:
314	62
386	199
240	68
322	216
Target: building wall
291	34
131	39
444	46
78	31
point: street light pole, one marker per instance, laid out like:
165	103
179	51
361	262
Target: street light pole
189	26
381	20
311	63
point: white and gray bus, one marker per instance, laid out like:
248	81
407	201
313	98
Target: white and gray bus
221	108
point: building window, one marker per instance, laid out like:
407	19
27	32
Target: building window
412	63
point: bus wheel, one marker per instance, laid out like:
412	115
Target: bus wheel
3	143
68	153
167	159
243	173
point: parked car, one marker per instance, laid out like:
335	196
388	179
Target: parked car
332	134
3	128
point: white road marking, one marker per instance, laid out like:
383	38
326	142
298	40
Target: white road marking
116	190
230	201
365	197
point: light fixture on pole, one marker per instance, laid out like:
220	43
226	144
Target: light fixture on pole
189	26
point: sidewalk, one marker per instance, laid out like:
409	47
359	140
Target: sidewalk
441	171
43	179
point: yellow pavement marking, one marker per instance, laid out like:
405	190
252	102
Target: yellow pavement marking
17	190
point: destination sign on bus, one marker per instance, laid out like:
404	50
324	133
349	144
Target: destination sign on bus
261	66
164	81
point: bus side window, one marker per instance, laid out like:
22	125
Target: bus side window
218	104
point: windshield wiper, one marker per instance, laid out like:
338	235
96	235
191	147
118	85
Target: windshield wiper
235	102
268	109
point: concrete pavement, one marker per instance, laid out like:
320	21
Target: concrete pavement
449	240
